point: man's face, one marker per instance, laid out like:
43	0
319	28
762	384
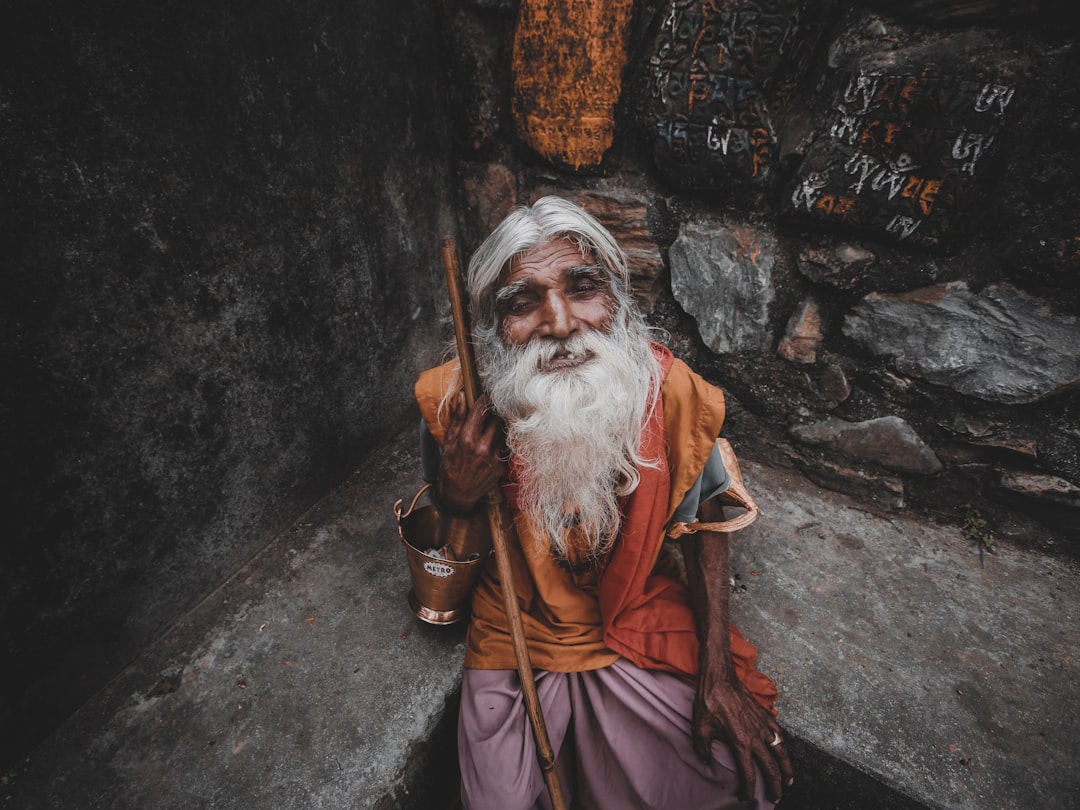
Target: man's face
554	292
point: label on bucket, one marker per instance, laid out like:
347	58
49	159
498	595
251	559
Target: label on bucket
438	569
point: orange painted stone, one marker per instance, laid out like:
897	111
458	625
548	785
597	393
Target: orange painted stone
568	62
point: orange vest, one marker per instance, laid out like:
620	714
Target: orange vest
637	606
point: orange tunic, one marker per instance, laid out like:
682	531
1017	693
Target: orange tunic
637	606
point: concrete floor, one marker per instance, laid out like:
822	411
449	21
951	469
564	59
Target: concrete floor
912	673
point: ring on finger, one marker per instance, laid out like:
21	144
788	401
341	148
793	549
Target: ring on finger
776	740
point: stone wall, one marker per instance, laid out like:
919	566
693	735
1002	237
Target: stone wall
861	219
218	223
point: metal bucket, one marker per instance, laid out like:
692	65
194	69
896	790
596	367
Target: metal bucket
441	585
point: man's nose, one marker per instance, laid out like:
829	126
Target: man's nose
557	319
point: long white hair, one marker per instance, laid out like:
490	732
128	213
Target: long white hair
575	434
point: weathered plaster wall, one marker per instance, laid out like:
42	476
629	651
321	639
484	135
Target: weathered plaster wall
216	229
859	218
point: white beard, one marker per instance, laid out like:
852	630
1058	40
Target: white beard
575	432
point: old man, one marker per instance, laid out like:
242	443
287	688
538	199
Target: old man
601	440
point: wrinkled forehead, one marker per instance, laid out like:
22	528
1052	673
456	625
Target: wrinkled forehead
553	256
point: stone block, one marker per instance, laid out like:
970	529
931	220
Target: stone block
999	345
721	274
803	337
889	442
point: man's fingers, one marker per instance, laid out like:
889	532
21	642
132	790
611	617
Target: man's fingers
482	423
701	736
487	436
747	773
458	414
459	410
470	428
787	771
477	416
770	770
703	747
775	764
779	752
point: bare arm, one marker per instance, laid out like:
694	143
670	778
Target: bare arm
724	709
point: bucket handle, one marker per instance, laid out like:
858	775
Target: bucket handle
397	504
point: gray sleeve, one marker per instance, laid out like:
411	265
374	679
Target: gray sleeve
712	481
430	454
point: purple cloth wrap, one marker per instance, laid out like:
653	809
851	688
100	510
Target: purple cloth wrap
621	736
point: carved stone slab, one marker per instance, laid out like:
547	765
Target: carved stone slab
568	61
904	144
704	108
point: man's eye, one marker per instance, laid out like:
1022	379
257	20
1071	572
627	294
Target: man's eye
516	306
586	285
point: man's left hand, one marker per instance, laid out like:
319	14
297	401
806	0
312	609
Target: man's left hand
725	710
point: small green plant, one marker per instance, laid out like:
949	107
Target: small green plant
977	531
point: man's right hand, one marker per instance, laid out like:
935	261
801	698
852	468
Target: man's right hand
472	451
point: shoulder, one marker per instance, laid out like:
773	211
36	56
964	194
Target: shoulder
691	402
430	390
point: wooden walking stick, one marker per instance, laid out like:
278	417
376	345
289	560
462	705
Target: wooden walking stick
501	529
